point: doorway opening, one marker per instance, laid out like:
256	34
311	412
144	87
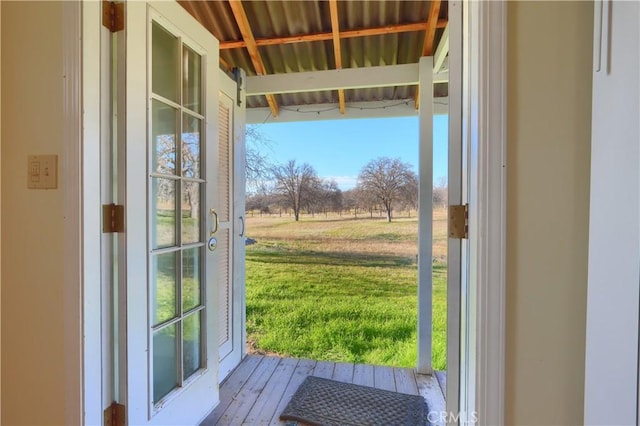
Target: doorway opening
334	277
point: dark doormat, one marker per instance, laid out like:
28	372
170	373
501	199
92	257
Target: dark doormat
328	402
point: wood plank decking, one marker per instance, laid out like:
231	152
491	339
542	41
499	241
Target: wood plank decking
258	390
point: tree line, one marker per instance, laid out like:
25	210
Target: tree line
384	185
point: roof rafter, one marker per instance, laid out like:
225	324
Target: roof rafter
430	33
363	32
429	37
247	34
335	30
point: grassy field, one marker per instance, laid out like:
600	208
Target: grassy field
341	289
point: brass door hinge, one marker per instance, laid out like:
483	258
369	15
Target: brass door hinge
459	221
114	415
113	15
112	218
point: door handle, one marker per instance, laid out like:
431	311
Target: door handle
216	224
242	220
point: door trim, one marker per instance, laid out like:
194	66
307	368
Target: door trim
456	274
72	188
486	119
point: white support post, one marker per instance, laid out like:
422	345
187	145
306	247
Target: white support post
425	218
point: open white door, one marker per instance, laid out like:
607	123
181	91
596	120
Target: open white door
231	180
168	341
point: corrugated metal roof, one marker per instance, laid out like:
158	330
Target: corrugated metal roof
271	19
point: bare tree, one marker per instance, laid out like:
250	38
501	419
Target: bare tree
409	194
326	196
350	200
295	183
387	180
165	161
257	163
440	193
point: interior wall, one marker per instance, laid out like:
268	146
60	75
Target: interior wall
33	373
549	129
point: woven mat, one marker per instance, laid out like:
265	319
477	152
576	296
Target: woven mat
328	402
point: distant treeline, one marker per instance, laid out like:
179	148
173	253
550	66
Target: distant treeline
384	185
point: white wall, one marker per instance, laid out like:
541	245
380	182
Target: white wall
614	233
32	239
548	149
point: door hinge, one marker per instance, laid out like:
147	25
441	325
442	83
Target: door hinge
113	15
112	218
459	221
114	415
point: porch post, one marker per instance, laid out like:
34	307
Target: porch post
425	217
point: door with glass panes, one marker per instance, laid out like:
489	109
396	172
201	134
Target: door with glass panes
168	343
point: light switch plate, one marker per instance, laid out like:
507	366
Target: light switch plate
42	172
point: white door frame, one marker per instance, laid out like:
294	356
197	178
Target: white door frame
484	126
90	32
456	273
487	137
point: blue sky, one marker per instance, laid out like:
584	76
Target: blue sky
338	149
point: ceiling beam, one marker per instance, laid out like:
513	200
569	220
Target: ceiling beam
347	78
364	32
370	109
441	51
335	30
247	35
430	32
224	64
429	37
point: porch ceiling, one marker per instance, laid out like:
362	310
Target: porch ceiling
278	37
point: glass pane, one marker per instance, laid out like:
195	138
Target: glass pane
164	213
191	344
190	278
165	362
190	212
191	79
163	286
191	146
164	119
165	51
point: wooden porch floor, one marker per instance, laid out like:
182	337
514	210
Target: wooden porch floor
257	391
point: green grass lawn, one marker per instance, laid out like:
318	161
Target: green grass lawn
340	290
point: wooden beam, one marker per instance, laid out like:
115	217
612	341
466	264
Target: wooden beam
364	32
335	30
247	35
441	51
429	37
347	78
224	64
342	101
430	32
330	111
